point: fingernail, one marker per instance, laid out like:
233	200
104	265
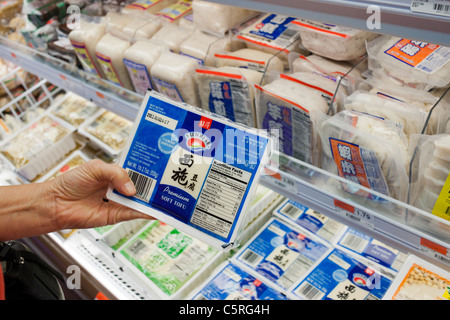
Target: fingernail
129	188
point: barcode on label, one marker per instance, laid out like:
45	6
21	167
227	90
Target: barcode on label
441	7
353	242
251	258
291	211
308	291
143	184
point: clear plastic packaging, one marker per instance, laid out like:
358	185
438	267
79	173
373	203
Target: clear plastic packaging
173	76
183	160
251	59
411	63
218	18
74	160
290	107
108	131
332	41
84	40
420	280
430	188
368	151
229	91
202	46
139	59
109	52
272	33
141	28
144	7
175	12
172	35
74	109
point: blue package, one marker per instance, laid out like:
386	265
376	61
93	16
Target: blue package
191	169
342	277
231	282
281	253
317	223
371	249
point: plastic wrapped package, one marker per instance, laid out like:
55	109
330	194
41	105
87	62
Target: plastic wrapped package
290	108
429	191
144	7
183	159
341	276
272	33
231	282
84	40
109	52
172	261
202	46
281	253
187	22
116	21
331	41
139	59
74	109
38	146
175	11
323	86
251	59
420	280
366	150
218	18
409	118
313	221
229	91
173	76
411	63
173	35
108	131
142	27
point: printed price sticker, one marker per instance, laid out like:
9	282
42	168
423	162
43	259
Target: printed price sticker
354	214
435	251
437	7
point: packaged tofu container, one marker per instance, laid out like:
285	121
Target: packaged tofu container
332	41
74	109
229	91
202	46
230	282
250	59
139	59
173	36
74	160
281	253
109	52
361	244
341	276
420	280
108	131
218	18
84	40
412	63
174	12
290	107
141	28
192	170
146	6
274	34
38	146
173	76
169	261
369	151
326	228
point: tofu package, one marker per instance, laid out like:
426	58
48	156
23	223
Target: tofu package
430	186
411	63
420	280
369	151
183	161
229	91
332	41
218	18
142	7
250	59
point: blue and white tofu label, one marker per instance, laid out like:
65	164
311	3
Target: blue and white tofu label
341	277
192	167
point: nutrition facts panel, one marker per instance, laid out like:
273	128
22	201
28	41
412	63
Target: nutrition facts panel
220	198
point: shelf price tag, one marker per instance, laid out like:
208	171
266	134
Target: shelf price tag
72	85
354	214
436	7
435	251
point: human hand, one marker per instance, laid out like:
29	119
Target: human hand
78	196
